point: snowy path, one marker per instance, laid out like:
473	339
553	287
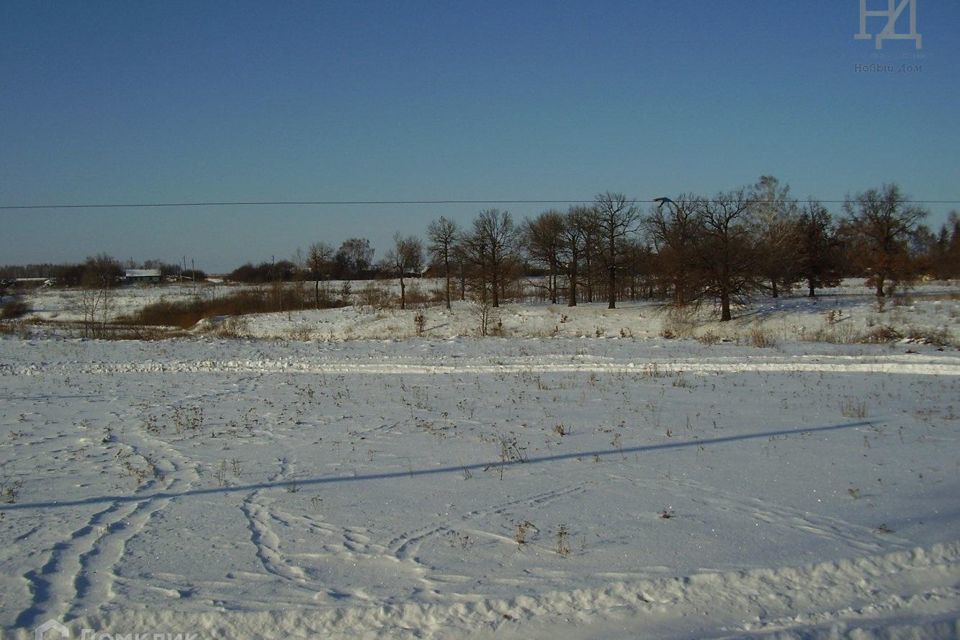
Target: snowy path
887	364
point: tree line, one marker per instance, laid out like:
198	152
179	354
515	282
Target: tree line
101	270
690	249
725	249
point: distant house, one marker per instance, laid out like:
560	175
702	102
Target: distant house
142	276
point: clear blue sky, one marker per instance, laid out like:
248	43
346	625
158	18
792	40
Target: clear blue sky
247	101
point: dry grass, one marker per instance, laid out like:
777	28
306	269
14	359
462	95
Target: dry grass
679	323
880	335
379	295
14	309
185	314
376	296
20	329
935	337
760	337
853	408
708	338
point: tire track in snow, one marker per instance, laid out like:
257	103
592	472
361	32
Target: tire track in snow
98	565
267	543
80	571
871	592
405	547
53	586
862	539
265	540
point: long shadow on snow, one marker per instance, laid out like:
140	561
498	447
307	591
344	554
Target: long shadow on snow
412	473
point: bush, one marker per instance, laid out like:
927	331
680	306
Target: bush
375	295
679	322
761	338
708	338
14	309
185	314
935	337
193	275
881	335
282	271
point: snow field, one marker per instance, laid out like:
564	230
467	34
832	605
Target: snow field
378	489
846	314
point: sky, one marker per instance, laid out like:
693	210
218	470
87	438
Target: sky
196	101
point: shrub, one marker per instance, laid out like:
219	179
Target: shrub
185	314
760	338
20	329
420	322
708	338
853	408
376	296
935	337
881	335
679	322
14	309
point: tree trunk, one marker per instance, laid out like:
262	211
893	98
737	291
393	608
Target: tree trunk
812	294
553	282
572	287
773	282
403	293
446	275
725	306
589	265
316	293
612	285
880	292
612	273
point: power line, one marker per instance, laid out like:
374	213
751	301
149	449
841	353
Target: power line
337	203
276	203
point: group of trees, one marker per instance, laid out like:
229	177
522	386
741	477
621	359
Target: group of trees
101	270
723	249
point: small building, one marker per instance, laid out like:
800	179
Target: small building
142	276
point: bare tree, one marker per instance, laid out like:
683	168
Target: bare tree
542	238
637	260
672	227
592	242
775	215
442	235
461	258
404	258
881	222
617	217
818	248
101	274
572	247
944	257
319	263
490	248
354	258
726	250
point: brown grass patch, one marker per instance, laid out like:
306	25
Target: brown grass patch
186	313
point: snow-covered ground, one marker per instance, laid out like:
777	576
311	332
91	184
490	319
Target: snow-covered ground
521	487
845	314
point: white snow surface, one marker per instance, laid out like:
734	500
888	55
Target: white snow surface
449	486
